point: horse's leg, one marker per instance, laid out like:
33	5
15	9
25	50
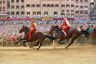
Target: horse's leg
74	37
18	41
40	44
24	43
72	41
60	40
31	45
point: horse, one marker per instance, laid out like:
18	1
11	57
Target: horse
93	35
73	33
38	37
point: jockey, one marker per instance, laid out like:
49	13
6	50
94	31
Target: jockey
65	26
32	29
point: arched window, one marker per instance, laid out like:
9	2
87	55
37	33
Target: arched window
17	7
72	5
48	5
12	13
38	5
86	0
52	5
22	7
45	13
67	5
55	13
22	0
81	12
17	13
81	0
77	12
56	5
17	0
86	12
33	5
12	0
44	5
28	13
62	5
22	13
27	5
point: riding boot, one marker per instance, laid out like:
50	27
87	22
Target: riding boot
64	33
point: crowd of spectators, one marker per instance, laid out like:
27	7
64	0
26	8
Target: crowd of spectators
10	29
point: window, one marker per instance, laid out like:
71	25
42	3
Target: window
28	13
56	5
44	5
3	8
48	5
17	7
45	13
38	13
63	10
62	14
77	12
12	7
81	12
22	13
67	10
12	13
22	0
77	0
81	0
62	5
86	12
67	5
27	5
55	13
72	10
86	1
22	7
0	2
86	6
34	13
33	5
17	13
38	5
12	0
17	0
3	2
77	6
81	7
72	5
0	8
52	5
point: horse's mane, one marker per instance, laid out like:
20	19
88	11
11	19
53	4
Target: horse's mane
26	28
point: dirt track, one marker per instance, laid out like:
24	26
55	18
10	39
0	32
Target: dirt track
73	55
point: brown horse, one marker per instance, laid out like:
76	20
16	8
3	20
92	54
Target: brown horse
57	33
38	37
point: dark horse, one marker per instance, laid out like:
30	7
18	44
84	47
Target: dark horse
72	33
38	37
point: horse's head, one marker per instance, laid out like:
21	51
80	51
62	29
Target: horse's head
54	30
23	29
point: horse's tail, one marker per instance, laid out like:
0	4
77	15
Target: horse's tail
86	33
50	37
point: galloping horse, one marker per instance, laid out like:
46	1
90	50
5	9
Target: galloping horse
39	37
57	33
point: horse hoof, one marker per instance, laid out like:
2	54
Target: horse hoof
30	47
37	49
66	47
